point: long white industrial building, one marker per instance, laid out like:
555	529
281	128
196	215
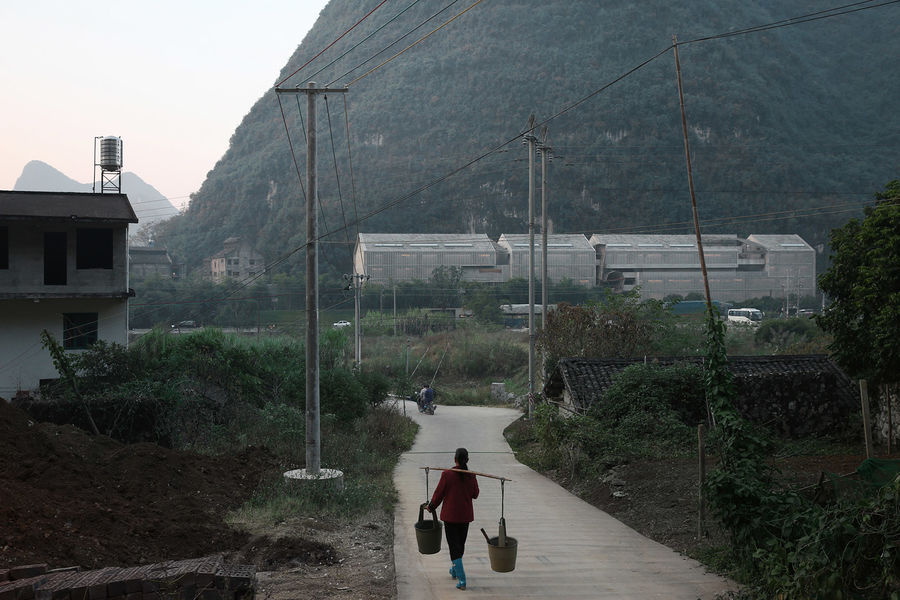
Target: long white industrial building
657	265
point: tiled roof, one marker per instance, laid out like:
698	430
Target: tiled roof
587	379
66	205
145	255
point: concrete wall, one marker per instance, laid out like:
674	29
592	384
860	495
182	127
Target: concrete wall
26	261
23	361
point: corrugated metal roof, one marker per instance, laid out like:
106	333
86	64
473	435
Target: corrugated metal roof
780	243
425	241
555	241
66	205
676	242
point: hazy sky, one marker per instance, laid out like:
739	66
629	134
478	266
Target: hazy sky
172	79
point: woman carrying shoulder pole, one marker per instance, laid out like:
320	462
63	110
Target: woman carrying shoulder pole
456	491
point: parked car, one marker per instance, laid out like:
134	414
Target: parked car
342	324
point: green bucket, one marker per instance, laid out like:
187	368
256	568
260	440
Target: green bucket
428	533
503	558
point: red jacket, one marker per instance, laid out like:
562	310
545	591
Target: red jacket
456	491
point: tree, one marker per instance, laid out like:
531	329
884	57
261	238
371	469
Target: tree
619	326
445	285
484	304
863	283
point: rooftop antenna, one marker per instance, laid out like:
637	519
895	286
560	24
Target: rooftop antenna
109	161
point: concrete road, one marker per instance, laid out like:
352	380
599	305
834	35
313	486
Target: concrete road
566	547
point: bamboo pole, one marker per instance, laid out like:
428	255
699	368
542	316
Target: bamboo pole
701	509
890	433
465	471
864	399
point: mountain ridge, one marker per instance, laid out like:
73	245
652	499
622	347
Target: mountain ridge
149	205
784	128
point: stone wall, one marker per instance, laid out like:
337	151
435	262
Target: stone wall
798	404
880	418
793	395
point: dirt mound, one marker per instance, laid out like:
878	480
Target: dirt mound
69	498
269	554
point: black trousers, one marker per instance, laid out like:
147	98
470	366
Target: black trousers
456	534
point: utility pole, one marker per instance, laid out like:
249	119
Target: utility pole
546	156
407	374
687	157
356	283
530	140
313	441
395	310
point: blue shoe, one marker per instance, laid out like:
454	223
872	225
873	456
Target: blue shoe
453	571
460	574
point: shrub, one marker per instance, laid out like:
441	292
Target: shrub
341	394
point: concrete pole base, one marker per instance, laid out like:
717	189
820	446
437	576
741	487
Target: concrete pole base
326	478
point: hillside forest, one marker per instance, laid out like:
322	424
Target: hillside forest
790	124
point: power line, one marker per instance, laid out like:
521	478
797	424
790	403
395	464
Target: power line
418	41
500	146
799	20
364	40
352	180
576	104
336	40
395	42
337	174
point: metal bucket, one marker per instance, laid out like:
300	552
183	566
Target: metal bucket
428	533
503	558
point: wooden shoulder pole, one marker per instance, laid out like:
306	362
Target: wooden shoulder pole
465	471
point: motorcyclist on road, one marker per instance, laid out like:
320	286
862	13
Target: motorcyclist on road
428	399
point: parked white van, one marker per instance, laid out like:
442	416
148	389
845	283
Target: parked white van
745	316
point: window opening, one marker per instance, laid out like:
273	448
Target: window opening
4	247
94	249
79	330
55	243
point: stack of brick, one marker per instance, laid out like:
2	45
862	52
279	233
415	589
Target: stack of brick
208	578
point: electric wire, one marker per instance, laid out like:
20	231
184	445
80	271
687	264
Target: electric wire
337	174
418	41
365	39
336	40
572	106
352	179
564	110
799	20
394	43
287	132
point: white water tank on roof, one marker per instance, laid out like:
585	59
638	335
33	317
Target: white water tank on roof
111	153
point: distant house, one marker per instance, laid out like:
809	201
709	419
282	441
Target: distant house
236	260
149	261
792	394
63	268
